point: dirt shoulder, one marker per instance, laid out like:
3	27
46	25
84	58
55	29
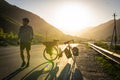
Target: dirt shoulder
89	66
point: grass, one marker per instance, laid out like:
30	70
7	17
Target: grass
112	69
106	46
87	46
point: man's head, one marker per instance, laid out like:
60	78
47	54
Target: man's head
25	21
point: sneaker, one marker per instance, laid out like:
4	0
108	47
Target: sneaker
23	64
27	65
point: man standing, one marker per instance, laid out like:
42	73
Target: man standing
25	37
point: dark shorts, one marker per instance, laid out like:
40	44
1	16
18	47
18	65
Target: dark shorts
25	45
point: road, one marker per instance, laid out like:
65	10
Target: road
10	59
39	69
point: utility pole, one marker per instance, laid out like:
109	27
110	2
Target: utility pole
114	35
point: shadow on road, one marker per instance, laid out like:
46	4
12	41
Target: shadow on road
52	74
65	73
76	75
14	73
69	72
34	75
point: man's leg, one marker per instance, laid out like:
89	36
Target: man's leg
28	48
22	54
23	58
28	58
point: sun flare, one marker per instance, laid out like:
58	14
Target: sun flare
72	18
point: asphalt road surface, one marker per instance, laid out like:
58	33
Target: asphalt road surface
40	69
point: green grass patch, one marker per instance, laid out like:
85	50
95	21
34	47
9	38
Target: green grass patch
87	46
108	47
113	70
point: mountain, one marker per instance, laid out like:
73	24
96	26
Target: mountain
101	32
11	18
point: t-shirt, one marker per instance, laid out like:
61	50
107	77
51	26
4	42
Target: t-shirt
25	33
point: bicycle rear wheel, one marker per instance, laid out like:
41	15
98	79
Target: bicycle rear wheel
50	55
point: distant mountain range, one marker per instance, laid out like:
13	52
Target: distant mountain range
101	32
11	19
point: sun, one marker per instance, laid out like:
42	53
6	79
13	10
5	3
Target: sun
71	18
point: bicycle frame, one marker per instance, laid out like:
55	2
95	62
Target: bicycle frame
67	49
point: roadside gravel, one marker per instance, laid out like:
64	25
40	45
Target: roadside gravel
89	66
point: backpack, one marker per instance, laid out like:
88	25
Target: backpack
75	51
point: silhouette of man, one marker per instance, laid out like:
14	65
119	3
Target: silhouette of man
25	37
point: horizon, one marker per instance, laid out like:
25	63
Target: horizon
71	16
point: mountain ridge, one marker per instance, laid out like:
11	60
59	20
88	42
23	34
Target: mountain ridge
103	31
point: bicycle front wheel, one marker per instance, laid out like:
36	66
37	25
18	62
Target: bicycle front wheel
50	55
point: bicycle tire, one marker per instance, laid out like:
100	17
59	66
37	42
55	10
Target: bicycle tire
47	55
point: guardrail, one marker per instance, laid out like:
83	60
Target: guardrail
111	55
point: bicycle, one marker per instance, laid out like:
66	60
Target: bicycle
52	51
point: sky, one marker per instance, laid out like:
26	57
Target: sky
72	16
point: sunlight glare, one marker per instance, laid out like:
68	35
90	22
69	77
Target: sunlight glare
72	18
